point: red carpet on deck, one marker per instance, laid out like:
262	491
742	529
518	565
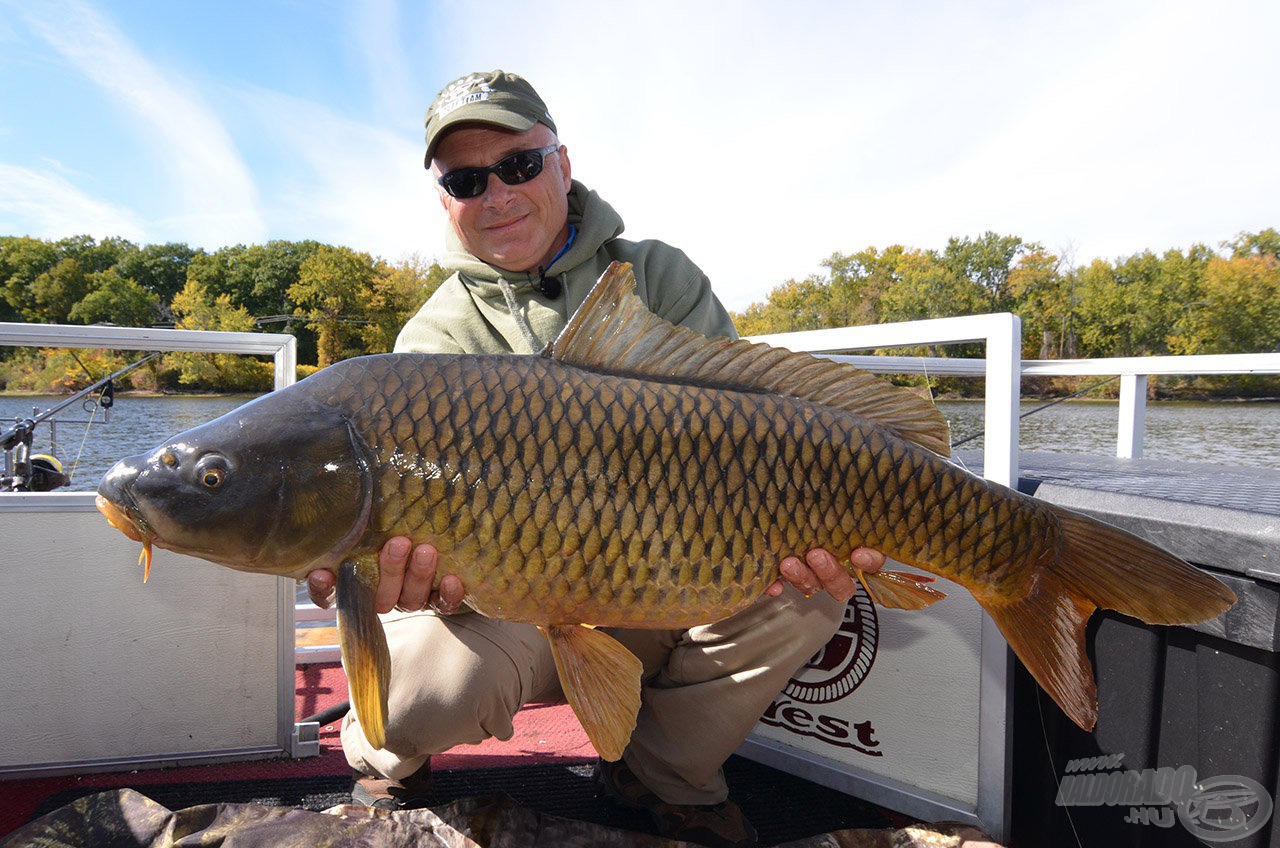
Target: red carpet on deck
544	734
545	767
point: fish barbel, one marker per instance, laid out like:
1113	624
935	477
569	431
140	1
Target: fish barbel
635	475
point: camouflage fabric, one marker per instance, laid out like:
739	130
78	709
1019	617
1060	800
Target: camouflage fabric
124	818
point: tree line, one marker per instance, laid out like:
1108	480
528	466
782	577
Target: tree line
337	301
1193	301
340	302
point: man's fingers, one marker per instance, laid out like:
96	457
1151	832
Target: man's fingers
448	597
419	579
820	571
833	577
797	574
392	560
867	559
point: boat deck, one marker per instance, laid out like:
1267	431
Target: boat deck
545	766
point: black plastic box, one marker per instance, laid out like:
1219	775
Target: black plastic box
1191	713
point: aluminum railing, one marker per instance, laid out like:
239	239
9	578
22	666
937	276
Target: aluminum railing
281	346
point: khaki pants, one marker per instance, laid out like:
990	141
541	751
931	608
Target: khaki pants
461	678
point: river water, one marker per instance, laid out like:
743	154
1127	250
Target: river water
1224	433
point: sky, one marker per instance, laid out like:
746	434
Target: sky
759	137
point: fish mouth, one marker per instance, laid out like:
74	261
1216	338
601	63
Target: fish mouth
134	527
131	526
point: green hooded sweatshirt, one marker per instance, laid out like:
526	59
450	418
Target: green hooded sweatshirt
469	313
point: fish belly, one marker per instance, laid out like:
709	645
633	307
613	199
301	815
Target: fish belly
565	496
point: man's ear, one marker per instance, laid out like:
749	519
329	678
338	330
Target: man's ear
566	169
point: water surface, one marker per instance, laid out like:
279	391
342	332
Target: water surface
133	425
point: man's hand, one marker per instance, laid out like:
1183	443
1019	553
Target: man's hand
407	581
822	572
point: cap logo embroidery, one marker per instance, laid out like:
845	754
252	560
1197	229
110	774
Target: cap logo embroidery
471	89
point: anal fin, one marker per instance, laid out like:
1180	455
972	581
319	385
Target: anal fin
365	657
899	589
1046	630
601	680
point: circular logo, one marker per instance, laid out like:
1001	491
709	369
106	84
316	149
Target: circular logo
842	665
1226	808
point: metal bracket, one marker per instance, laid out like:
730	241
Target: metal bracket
305	740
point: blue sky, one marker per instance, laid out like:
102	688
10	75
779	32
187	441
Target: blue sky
759	137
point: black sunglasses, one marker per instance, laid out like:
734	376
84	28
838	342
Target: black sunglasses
519	167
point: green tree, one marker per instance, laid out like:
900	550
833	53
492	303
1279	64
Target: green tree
859	281
22	260
759	319
116	300
1240	312
258	277
1263	243
986	262
196	308
395	293
93	255
1129	308
55	292
1102	309
158	268
926	287
328	297
1045	301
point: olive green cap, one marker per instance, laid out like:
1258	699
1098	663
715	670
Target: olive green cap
496	98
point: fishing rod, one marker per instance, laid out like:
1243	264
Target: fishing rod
1087	388
42	473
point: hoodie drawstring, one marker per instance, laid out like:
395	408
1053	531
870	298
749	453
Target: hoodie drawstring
517	314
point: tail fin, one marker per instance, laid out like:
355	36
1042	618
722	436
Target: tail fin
1097	566
1122	572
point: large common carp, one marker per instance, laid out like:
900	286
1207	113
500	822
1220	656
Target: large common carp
634	475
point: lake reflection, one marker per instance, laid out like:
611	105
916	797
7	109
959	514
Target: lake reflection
1222	433
1225	433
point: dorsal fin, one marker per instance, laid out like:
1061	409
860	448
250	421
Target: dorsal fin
613	331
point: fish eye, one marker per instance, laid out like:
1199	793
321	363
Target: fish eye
211	471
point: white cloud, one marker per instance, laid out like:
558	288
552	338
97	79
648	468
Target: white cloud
45	204
212	188
344	182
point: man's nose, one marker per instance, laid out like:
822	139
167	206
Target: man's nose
497	192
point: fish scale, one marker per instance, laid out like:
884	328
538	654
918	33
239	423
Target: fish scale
673	502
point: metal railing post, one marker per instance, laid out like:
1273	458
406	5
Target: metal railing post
1132	426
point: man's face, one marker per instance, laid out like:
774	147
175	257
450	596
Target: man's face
516	228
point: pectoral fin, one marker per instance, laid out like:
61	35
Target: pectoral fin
899	589
364	647
601	680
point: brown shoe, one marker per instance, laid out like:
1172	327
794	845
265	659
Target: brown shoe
383	793
720	825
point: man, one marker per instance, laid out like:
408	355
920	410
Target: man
526	243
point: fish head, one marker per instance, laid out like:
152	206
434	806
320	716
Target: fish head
277	486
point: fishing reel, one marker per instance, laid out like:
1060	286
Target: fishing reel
42	472
25	471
